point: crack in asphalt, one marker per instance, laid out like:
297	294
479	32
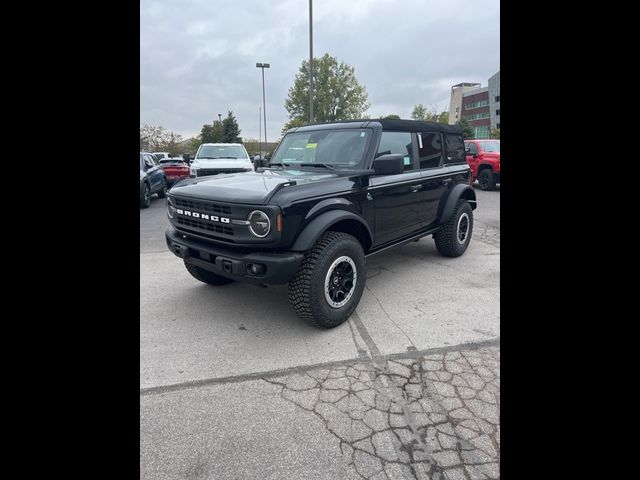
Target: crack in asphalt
174	387
435	416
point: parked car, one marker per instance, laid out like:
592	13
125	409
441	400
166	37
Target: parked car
174	169
335	194
152	179
484	159
216	158
160	155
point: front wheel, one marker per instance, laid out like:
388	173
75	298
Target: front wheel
453	238
329	283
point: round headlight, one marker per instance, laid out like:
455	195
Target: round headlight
259	223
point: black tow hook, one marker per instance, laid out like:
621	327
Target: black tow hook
181	251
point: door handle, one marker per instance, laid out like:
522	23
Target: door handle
415	188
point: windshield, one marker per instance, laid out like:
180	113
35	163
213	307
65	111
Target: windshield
491	146
171	160
333	148
222	151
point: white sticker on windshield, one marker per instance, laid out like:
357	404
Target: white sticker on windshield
362	134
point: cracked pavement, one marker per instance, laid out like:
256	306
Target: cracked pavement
234	386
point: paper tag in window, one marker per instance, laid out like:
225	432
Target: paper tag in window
407	160
312	145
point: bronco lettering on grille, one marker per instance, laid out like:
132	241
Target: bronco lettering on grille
204	216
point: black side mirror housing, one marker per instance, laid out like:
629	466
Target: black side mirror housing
389	164
259	163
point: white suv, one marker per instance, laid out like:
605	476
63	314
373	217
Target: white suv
215	158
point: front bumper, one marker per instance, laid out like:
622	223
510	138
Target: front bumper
280	267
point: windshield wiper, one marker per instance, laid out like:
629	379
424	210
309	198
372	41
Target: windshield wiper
279	163
323	165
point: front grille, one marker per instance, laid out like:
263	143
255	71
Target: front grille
204	172
202	206
211	227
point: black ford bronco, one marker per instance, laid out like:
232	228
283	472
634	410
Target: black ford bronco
332	195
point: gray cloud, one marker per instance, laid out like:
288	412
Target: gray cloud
197	58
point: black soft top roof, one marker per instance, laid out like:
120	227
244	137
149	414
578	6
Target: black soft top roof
391	124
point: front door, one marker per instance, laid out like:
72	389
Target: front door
398	198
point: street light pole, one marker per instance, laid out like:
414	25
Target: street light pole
311	61
264	104
260	134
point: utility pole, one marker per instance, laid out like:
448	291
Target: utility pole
311	61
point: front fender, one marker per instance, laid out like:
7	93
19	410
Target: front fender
321	224
449	200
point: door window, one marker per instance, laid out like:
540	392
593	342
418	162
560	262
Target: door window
397	142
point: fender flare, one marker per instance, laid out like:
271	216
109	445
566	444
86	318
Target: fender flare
321	224
448	204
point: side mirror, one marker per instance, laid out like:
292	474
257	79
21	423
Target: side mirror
467	151
389	164
258	162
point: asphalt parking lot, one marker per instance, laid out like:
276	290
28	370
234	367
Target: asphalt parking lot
234	386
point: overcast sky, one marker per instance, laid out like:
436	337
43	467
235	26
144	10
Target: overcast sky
197	57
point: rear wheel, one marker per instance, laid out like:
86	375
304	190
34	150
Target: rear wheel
163	191
485	179
327	288
453	238
145	199
206	276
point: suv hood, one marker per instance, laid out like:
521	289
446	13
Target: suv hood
221	163
246	187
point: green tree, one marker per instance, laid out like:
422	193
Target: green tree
467	130
443	117
207	134
217	132
393	116
230	129
337	95
419	112
293	123
192	145
495	133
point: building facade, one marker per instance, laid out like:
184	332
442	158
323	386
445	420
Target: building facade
455	104
475	108
480	106
494	99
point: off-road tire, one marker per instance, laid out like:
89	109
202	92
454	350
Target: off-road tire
485	179
307	287
447	238
205	276
145	200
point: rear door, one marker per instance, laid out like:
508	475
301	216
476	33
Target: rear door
434	178
398	198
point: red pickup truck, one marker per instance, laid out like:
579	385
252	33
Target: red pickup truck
174	169
483	157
